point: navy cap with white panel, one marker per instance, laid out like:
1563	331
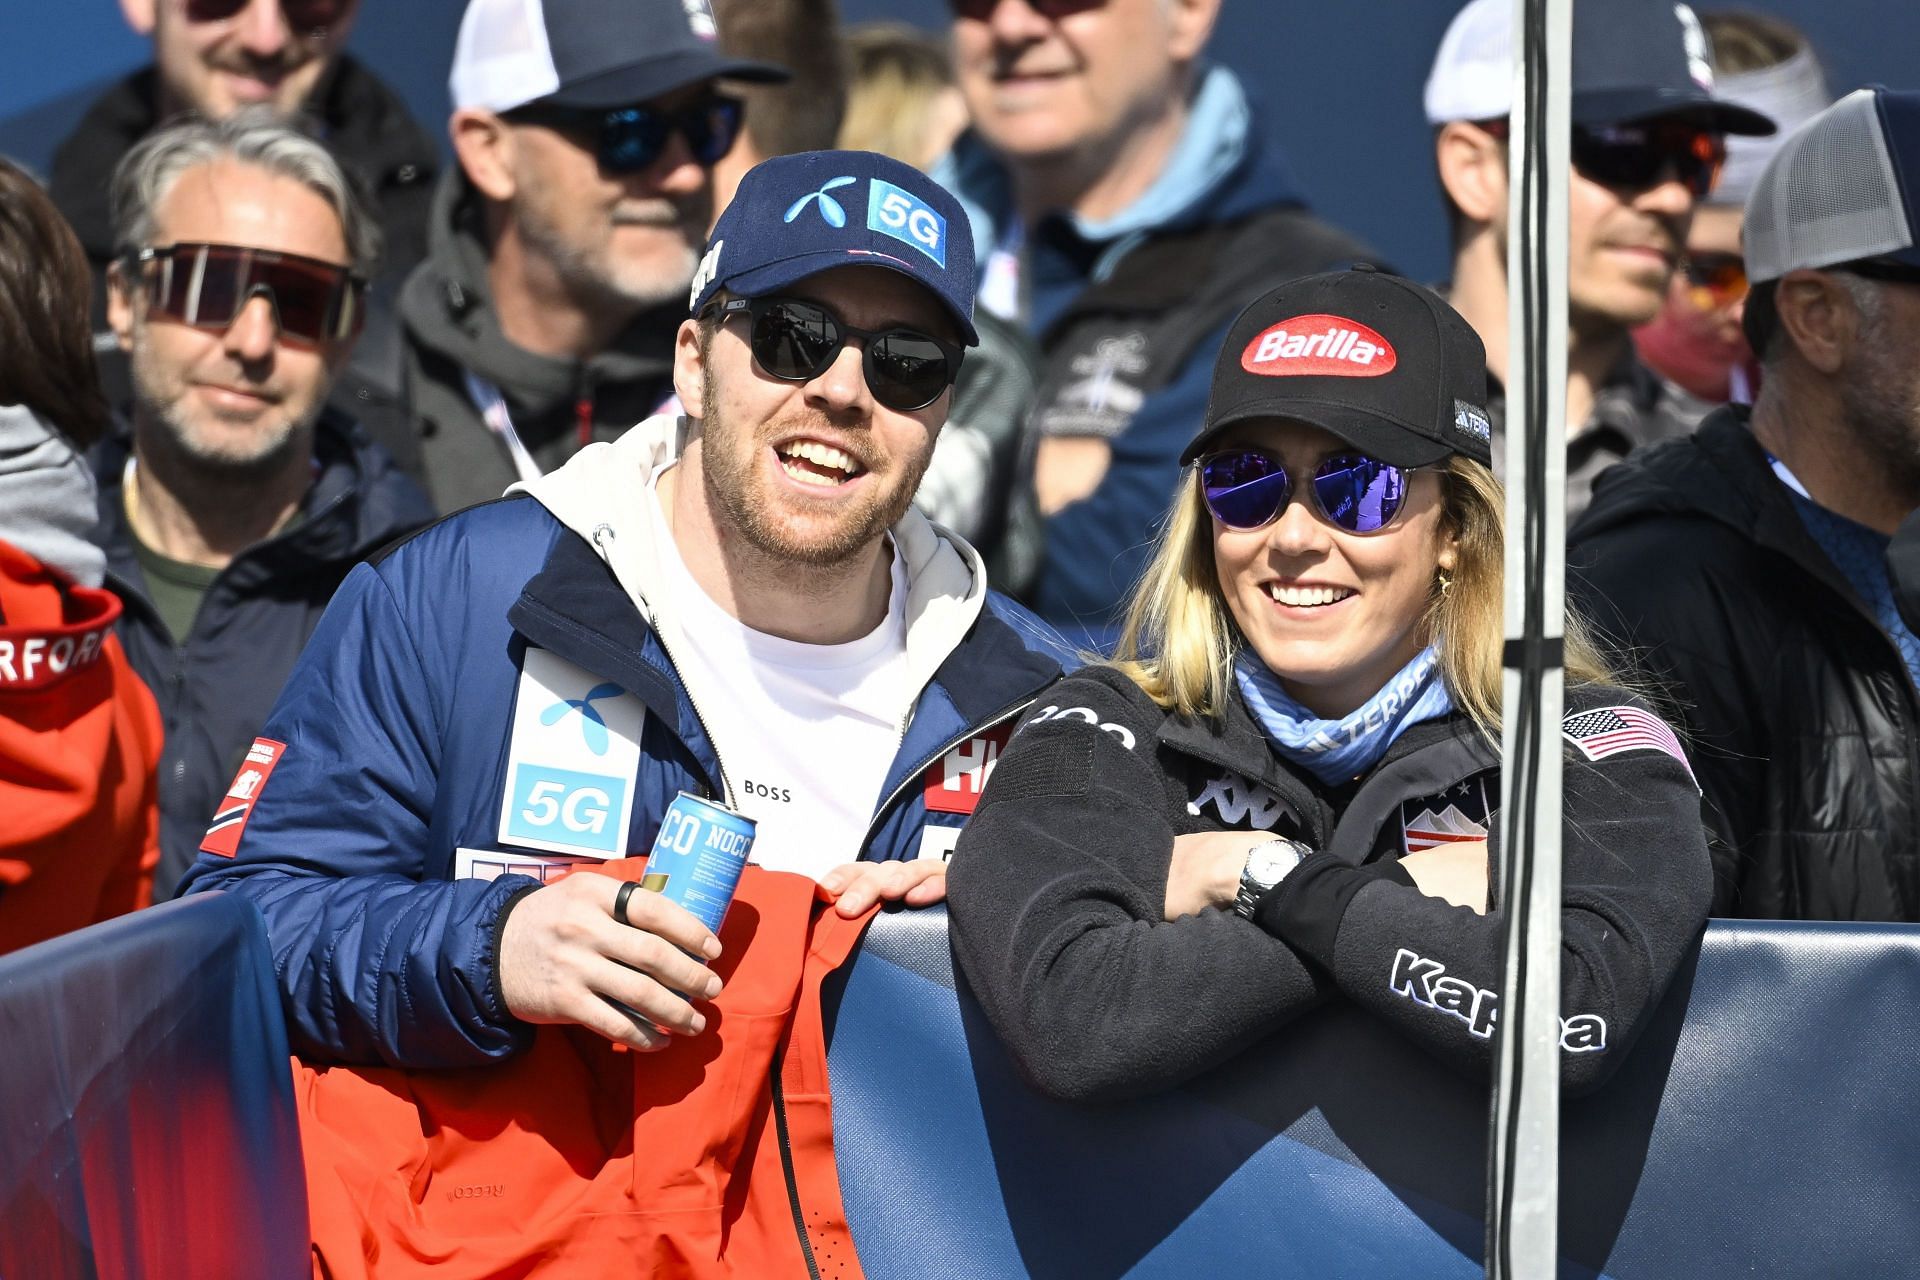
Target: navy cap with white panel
590	54
795	216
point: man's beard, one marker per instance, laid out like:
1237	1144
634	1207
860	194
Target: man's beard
596	271
731	480
1887	426
241	463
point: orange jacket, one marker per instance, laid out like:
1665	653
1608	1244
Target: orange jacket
577	1159
79	743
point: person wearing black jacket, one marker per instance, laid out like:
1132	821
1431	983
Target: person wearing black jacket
1283	790
232	500
1748	564
360	118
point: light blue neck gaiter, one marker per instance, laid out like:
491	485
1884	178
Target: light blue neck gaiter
1337	751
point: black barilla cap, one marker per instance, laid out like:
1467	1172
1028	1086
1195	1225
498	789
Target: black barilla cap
1374	359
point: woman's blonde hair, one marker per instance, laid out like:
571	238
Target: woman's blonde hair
1179	640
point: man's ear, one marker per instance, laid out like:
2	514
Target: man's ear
1189	24
120	305
139	15
689	370
1818	317
1473	170
484	145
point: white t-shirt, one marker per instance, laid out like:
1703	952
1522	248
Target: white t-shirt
805	732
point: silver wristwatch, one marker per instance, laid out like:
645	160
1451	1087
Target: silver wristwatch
1267	865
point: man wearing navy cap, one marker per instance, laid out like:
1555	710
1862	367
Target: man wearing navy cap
1748	565
1648	142
739	600
562	243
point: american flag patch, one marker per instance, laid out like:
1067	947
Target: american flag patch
1611	730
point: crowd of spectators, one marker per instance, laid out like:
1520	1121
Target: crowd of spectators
275	336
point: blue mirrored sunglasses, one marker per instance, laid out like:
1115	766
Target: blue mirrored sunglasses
1248	489
630	139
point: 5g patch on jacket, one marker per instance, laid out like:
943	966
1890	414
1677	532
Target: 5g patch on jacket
1456	814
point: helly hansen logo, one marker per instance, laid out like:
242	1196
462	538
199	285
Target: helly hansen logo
954	783
1322	346
1425	982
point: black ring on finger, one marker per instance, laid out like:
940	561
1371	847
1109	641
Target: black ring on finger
620	901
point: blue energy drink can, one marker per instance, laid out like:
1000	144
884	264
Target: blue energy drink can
698	856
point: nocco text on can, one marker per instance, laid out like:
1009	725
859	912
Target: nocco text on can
698	855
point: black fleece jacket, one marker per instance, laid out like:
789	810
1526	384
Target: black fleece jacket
1057	889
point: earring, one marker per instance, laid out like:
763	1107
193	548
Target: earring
1446	581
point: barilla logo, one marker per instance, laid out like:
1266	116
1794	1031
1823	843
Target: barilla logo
1319	346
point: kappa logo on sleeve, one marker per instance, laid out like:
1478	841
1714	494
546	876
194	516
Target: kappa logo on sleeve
954	783
230	820
1426	983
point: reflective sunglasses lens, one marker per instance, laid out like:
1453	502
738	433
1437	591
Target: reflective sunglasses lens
1244	489
1637	159
793	341
211	283
303	299
631	140
1722	276
213	10
711	127
906	370
1358	493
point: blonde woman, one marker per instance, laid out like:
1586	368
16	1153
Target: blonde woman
1283	790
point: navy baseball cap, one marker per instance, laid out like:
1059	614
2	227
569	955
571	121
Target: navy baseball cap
591	54
795	216
1376	360
1632	60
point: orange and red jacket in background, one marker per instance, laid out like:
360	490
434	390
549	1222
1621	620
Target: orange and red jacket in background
579	1159
80	739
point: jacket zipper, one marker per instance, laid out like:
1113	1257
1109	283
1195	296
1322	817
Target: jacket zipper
786	1166
660	633
972	731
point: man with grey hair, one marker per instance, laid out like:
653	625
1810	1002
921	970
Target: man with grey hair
1748	563
233	501
564	241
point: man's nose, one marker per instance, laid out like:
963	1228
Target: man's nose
254	329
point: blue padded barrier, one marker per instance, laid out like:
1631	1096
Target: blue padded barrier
147	1126
1767	1123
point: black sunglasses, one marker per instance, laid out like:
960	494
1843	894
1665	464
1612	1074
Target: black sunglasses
1638	157
630	139
304	17
981	10
205	286
1248	489
795	341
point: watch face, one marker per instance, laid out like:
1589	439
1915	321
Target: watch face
1270	862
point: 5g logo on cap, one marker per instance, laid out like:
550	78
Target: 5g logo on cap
907	218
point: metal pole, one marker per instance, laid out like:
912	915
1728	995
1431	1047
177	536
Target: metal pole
1524	1166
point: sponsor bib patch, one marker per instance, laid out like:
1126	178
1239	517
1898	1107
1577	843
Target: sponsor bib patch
230	820
571	761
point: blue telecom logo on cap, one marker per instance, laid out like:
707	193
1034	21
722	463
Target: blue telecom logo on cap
797	215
